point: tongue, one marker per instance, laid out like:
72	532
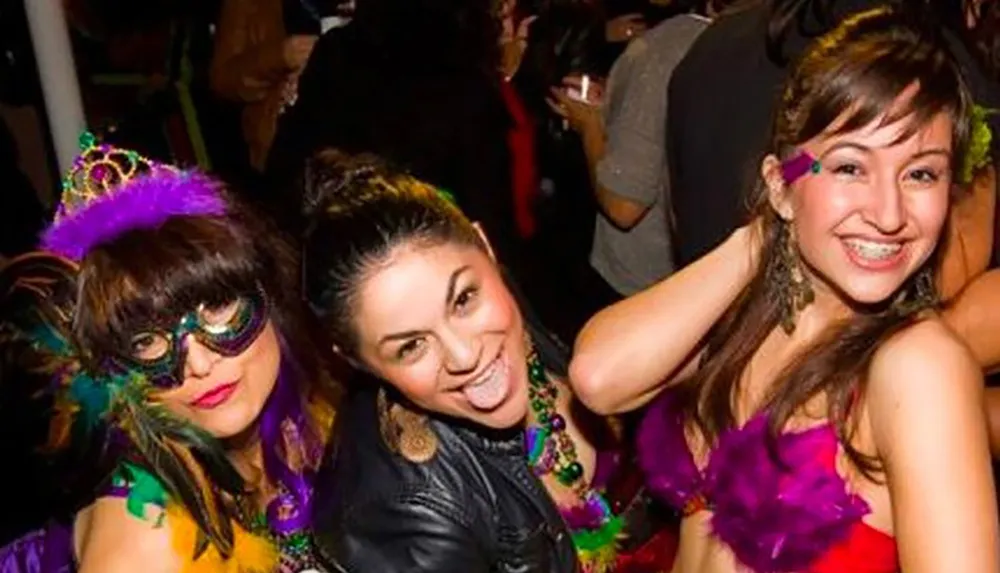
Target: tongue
489	394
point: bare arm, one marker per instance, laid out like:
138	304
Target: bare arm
587	122
629	351
621	211
992	400
969	242
973	298
975	316
925	405
110	540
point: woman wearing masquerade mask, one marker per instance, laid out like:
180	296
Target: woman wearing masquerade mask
429	469
819	416
182	336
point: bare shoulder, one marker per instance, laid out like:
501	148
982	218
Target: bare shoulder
921	373
110	539
925	405
924	356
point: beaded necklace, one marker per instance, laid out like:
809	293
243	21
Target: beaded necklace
140	488
295	547
592	524
278	524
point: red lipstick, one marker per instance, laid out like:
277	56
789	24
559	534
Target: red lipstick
215	397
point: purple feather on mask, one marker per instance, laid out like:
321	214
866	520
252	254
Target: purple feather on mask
145	202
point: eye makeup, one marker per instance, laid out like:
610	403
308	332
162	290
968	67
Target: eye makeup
228	329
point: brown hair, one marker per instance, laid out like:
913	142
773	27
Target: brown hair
155	275
360	210
160	273
859	68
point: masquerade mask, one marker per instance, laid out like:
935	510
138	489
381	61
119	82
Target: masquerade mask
227	329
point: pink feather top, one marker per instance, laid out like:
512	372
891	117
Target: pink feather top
793	515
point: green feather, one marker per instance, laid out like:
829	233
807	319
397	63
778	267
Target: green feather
47	338
980	138
92	393
593	539
143	489
157	435
94	397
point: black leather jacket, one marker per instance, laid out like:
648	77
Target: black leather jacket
475	507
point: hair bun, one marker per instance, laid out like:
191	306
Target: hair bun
335	181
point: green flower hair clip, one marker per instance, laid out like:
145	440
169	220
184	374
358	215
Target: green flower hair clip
981	137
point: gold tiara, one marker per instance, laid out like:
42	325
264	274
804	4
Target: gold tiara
98	171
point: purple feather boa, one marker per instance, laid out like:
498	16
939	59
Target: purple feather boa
142	203
775	517
663	455
290	510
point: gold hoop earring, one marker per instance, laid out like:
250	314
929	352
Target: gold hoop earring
404	431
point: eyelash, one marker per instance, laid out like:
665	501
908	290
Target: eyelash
928	176
141	342
466	298
843	170
409	347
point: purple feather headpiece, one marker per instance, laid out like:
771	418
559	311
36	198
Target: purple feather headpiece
111	191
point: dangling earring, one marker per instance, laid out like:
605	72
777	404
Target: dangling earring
404	431
794	289
920	295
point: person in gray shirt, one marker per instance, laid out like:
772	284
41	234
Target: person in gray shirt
625	148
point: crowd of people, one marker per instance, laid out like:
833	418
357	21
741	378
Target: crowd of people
548	287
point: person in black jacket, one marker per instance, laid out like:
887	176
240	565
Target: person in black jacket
463	449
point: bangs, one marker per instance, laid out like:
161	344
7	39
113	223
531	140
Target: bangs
154	276
865	83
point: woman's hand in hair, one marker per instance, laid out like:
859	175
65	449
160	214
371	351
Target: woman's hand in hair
628	352
752	234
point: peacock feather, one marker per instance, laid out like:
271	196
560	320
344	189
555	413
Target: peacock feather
38	292
190	463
